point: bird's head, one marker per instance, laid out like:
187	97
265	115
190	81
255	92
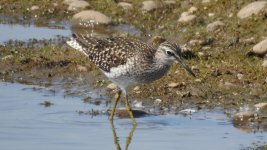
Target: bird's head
169	52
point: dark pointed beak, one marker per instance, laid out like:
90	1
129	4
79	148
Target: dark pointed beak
188	69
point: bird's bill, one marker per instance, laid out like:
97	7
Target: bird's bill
188	69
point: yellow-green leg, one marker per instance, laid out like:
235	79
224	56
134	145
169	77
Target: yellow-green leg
129	109
116	99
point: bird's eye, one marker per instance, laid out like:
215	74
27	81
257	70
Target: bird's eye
170	53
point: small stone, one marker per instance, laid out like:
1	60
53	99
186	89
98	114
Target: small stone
137	88
176	85
205	1
34	7
81	68
242	118
260	48
157	101
261	106
123	113
198	80
7	57
214	26
112	86
195	42
138	104
125	5
264	64
188	111
240	76
91	15
78	5
67	2
149	5
192	10
211	14
185	17
248	40
169	2
253	8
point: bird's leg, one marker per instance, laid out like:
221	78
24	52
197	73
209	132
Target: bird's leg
129	109
116	99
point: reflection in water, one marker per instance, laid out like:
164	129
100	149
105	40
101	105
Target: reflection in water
116	138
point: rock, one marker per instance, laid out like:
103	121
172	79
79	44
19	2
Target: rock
253	8
137	88
264	64
248	40
78	5
91	15
242	118
34	7
188	111
169	2
214	26
138	104
123	113
176	85
149	5
125	6
240	76
81	68
157	101
7	57
205	1
192	10
261	107
186	17
195	42
112	86
211	14
260	48
67	2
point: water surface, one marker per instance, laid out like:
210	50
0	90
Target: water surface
27	125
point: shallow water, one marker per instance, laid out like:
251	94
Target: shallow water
26	32
27	125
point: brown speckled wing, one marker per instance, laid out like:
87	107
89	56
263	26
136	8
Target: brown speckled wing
112	52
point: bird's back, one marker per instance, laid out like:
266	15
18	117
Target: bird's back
111	52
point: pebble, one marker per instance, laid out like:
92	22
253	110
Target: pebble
91	15
78	5
138	104
260	48
261	106
211	14
264	64
7	57
175	85
149	5
188	111
67	2
123	113
169	2
157	101
253	8
205	1
192	10
34	7
125	5
243	117
214	26
195	42
112	86
186	17
81	68
240	76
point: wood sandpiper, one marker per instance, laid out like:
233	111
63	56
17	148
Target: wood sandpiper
128	62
